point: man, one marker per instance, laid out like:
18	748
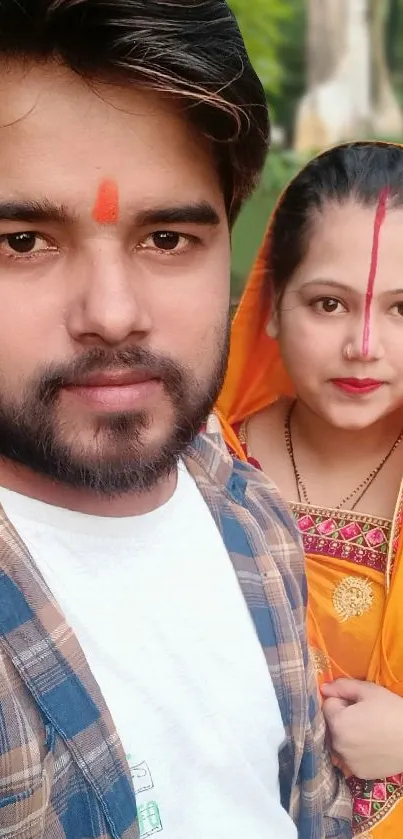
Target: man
133	552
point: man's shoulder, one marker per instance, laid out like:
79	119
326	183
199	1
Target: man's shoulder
239	487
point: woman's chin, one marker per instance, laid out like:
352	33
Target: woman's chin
354	418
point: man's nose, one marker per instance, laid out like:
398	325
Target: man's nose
109	302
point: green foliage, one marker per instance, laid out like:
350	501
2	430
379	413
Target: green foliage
251	225
274	33
394	44
292	57
262	23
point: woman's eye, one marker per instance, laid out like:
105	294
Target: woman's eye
27	242
327	305
168	241
397	308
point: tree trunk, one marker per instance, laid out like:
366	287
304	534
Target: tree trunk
388	121
325	38
336	106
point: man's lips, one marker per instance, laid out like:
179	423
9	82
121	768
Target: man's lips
114	378
115	390
358	385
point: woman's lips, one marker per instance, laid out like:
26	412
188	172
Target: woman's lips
357	386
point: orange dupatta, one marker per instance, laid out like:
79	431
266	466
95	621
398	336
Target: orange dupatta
256	377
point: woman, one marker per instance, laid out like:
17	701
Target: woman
314	397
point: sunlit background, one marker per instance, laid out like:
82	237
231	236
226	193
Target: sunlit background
333	71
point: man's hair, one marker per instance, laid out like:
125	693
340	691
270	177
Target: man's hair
190	49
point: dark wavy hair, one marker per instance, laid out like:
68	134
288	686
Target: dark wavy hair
190	49
359	170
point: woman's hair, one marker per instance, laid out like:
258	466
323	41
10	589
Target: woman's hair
189	49
354	170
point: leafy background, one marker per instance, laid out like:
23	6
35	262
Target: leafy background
274	31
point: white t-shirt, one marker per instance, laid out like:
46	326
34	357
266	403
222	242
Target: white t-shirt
156	606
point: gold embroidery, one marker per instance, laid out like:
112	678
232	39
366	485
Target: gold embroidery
242	436
320	660
352	597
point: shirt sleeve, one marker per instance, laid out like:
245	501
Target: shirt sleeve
336	798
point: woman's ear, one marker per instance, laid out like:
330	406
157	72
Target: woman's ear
272	325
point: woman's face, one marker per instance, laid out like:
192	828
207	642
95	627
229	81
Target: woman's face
341	344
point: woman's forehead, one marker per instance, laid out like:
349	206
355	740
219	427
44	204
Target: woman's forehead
349	243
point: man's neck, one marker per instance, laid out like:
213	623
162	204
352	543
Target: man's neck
20	479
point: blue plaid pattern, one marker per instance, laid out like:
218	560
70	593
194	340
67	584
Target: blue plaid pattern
63	773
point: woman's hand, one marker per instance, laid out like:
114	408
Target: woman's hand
365	722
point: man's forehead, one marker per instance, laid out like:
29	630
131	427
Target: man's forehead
51	105
29	85
100	152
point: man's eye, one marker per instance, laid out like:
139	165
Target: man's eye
26	242
327	305
168	241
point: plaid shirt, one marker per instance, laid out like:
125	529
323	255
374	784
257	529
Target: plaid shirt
63	773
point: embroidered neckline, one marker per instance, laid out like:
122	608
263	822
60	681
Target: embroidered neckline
352	515
345	535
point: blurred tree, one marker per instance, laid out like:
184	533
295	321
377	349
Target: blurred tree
248	232
379	13
263	26
394	44
387	110
292	57
275	39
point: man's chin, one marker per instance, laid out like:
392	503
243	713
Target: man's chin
122	452
120	439
90	430
114	463
110	474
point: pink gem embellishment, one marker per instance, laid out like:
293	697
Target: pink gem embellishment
362	807
305	523
375	537
350	531
379	791
325	528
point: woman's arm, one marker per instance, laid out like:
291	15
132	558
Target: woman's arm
365	722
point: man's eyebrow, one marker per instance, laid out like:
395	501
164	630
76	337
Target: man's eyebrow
44	211
199	213
33	211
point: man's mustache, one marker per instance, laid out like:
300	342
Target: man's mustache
100	360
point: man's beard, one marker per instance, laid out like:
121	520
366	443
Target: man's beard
31	432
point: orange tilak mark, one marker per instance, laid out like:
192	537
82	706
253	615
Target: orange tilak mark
106	207
379	220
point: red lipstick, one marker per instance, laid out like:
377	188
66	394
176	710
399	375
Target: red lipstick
357	386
